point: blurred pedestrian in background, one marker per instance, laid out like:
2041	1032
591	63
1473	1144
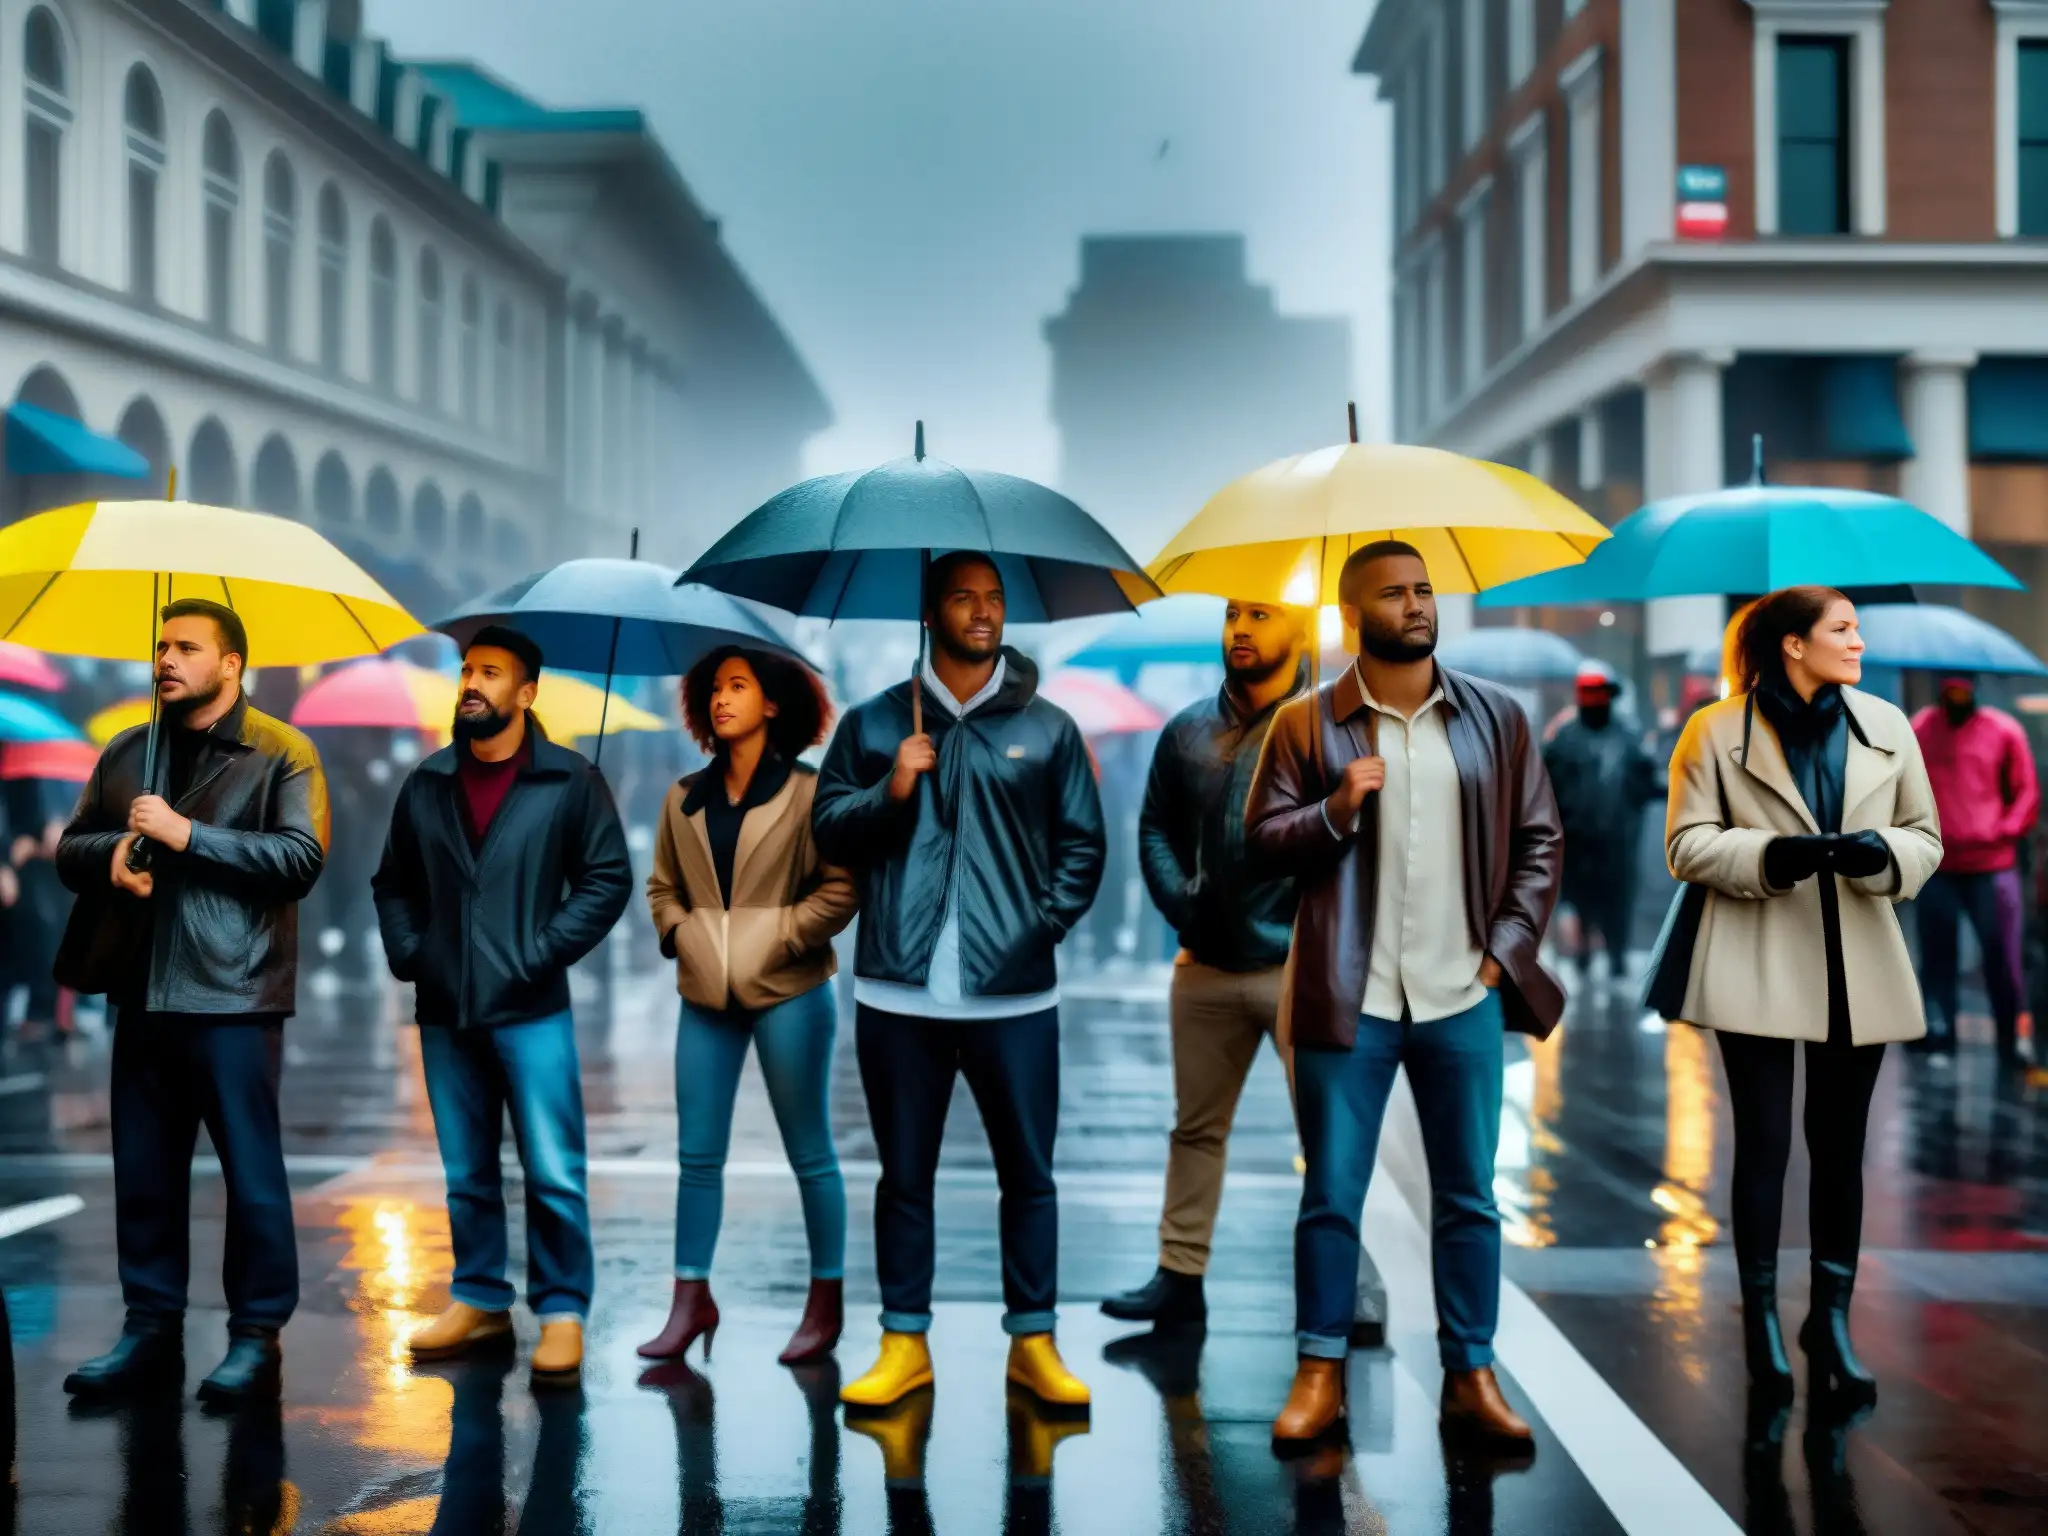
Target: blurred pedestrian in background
1982	771
35	924
505	866
1603	776
747	910
1803	808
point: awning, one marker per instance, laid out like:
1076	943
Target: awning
2009	409
41	442
1859	410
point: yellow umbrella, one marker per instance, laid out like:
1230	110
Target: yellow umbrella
88	580
116	718
1281	533
567	707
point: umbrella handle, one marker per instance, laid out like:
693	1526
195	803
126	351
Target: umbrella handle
924	569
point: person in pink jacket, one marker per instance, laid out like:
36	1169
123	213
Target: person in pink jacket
1986	794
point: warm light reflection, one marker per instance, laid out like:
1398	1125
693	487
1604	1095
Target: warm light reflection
1300	590
1688	1166
396	1247
1330	625
1531	1101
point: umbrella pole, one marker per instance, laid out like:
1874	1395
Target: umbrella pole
149	748
611	663
924	568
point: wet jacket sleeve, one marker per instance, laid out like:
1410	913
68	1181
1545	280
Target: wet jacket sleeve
665	896
599	872
2023	807
1171	885
399	889
853	820
1287	833
1914	836
1699	845
282	862
85	853
1535	855
1079	844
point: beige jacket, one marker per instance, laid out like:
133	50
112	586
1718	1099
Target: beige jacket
776	942
1759	966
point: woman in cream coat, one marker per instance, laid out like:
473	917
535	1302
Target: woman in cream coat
1803	807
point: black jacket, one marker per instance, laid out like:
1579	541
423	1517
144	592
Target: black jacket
487	937
220	931
1191	839
1008	825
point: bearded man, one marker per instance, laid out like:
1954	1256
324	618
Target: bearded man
505	866
1413	811
187	920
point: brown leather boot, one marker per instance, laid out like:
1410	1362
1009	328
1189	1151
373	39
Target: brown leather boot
818	1333
691	1312
1314	1405
1474	1409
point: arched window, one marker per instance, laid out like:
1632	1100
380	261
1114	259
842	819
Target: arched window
48	390
213	479
508	544
143	110
472	348
334	494
142	428
280	246
333	278
430	519
48	120
469	528
430	330
223	198
383	305
380	501
504	384
274	481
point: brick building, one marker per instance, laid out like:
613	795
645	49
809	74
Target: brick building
1632	233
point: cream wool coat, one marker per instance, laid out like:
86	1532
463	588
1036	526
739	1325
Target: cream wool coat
1759	966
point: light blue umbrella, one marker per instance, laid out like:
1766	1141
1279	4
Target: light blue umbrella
1752	539
1513	655
1186	629
1933	638
28	720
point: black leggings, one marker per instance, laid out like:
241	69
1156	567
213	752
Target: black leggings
1839	1080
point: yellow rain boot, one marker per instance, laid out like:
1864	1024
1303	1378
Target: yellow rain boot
457	1331
902	1433
1035	1365
558	1357
904	1365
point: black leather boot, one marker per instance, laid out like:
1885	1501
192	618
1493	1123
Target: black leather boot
252	1369
1169	1299
1830	1353
1763	1337
149	1353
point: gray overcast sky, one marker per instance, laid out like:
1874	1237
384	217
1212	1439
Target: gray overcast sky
907	181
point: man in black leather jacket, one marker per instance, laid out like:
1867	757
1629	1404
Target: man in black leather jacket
977	844
505	866
198	954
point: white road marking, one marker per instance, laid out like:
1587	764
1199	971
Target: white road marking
17	1219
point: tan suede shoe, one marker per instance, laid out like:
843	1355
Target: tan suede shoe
457	1331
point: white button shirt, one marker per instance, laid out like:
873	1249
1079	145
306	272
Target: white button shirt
1424	961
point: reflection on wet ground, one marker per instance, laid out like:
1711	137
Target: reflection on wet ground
1612	1179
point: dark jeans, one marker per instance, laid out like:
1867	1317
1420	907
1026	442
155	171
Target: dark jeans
473	1077
1839	1080
171	1073
1454	1066
1012	1067
1992	903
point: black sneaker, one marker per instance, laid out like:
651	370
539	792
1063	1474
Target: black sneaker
1168	1299
148	1354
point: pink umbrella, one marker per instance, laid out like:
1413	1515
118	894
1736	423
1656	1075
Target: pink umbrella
60	762
1100	705
24	668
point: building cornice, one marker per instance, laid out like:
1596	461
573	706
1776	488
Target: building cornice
1796	12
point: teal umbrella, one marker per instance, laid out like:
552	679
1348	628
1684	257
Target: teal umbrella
1187	628
31	720
1752	539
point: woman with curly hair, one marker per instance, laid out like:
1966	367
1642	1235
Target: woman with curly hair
746	909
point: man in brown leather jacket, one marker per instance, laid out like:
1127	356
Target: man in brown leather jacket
1420	829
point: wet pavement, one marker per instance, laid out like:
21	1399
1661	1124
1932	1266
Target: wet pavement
1619	1333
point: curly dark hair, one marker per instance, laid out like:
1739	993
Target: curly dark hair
1760	641
803	707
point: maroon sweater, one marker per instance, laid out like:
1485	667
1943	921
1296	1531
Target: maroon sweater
484	787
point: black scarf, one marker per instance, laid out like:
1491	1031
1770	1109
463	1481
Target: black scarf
1815	737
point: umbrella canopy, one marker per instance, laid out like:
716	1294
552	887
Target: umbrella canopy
1187	630
1757	538
21	667
855	546
629	618
1100	706
398	696
31	720
1513	655
1937	638
1281	533
87	581
53	762
116	718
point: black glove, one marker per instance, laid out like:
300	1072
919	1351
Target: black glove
1789	860
1860	855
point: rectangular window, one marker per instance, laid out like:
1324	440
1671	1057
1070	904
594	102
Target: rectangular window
1584	230
1473	73
1813	136
45	154
333	275
277	293
383	332
1532	201
220	265
2033	131
142	233
1474	337
1521	41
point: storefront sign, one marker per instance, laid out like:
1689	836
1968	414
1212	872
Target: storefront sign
1702	202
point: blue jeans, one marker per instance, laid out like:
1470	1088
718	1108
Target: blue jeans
473	1077
1454	1066
794	1041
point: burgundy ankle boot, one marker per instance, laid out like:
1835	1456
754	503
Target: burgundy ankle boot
691	1313
824	1316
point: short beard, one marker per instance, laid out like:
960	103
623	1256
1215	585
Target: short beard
1258	672
1396	648
471	728
959	650
192	703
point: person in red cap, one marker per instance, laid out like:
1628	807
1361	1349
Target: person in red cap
1988	799
1604	776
